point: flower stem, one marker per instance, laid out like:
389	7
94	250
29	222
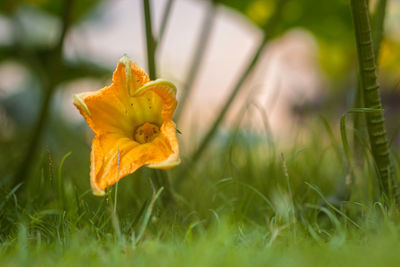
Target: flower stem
162	179
368	80
150	41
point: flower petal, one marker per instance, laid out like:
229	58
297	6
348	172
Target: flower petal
166	90
96	156
168	130
108	110
114	157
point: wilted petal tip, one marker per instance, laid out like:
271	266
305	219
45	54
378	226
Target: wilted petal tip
78	101
126	61
165	165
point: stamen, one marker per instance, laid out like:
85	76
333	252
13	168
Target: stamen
146	133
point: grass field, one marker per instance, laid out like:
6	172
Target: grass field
237	207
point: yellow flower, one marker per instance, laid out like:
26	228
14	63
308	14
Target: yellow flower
132	122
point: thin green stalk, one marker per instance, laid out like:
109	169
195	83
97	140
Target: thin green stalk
236	89
164	20
200	49
161	177
358	125
368	79
269	31
52	73
150	41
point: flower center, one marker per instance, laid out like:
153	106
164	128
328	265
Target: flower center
146	133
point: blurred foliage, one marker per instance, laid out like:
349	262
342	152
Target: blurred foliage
330	23
332	15
30	19
36	32
52	7
390	58
36	26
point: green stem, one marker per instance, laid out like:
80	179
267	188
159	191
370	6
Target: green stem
269	31
161	177
197	58
359	119
48	89
150	42
368	79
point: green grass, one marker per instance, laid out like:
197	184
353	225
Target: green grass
236	207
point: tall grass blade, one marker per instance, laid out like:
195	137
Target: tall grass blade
318	191
269	31
343	132
60	182
147	215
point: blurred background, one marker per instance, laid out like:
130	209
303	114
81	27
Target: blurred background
307	70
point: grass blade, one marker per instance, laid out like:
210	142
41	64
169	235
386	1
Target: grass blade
147	215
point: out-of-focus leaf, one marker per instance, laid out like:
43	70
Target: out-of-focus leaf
390	57
77	70
71	70
55	7
329	21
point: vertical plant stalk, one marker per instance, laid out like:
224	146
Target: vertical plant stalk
49	86
378	33
150	41
160	176
199	51
268	33
368	80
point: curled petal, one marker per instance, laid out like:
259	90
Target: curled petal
78	102
168	130
114	157
166	90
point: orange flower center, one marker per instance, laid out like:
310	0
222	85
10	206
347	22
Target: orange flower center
146	132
